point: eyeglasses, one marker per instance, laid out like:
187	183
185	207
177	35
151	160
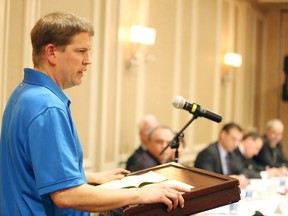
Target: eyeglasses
234	139
161	141
276	134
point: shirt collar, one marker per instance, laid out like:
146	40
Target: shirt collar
34	77
241	149
222	151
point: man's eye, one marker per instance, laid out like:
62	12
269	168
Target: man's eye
81	50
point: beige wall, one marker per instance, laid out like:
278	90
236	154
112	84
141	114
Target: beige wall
270	94
192	37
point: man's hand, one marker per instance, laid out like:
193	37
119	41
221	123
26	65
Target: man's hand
170	195
105	176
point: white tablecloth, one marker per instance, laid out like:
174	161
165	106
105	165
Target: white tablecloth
268	196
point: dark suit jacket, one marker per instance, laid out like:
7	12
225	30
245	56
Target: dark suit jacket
131	160
209	159
142	161
247	167
266	158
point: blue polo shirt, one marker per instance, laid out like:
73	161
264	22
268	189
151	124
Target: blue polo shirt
39	148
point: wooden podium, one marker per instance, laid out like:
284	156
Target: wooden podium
210	190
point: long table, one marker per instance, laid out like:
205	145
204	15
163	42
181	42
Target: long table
267	196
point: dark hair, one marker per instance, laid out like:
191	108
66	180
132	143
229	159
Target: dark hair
56	28
227	127
253	134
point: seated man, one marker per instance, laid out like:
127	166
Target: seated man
271	154
146	124
250	146
218	156
158	139
214	156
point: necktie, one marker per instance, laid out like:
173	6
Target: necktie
228	163
274	153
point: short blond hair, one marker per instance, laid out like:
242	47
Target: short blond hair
56	28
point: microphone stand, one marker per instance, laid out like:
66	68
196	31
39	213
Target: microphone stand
174	144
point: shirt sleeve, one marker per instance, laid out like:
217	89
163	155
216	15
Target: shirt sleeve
55	152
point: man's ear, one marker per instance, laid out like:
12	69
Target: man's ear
50	53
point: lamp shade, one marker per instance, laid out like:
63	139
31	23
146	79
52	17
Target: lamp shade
233	59
142	34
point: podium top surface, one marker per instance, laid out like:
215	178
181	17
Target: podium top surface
199	178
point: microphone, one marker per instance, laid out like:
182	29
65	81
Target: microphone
180	103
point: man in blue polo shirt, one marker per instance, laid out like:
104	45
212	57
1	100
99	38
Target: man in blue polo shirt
40	154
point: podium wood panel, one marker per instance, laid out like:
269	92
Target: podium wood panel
210	190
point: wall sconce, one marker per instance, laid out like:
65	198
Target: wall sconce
233	59
140	35
231	62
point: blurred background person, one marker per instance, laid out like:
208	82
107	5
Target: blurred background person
214	156
271	154
250	146
158	139
146	124
218	156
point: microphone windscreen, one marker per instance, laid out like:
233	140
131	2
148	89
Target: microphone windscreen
178	102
